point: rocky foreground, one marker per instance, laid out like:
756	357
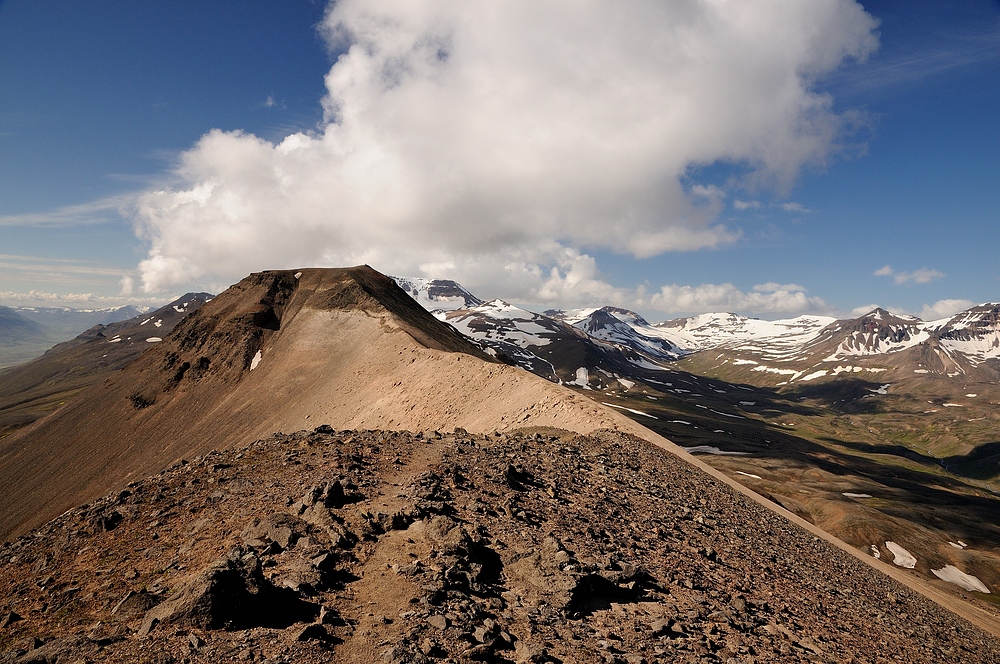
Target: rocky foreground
368	546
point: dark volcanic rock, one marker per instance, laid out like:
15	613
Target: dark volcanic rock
231	593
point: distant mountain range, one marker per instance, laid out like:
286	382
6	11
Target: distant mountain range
27	332
579	347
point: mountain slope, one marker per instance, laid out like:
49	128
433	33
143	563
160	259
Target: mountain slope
375	546
33	389
278	351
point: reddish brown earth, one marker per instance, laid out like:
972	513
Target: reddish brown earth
343	346
369	546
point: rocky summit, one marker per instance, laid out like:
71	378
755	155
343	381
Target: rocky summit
535	545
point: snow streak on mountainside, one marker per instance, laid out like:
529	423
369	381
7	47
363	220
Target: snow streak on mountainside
506	330
974	333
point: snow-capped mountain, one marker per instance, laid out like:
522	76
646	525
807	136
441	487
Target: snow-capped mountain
966	345
516	333
628	329
775	340
437	294
599	345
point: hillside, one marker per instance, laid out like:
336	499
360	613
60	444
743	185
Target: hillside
36	388
278	351
374	546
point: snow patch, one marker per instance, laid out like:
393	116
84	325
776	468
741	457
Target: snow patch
582	378
952	574
856	495
709	449
882	389
921	371
631	410
255	361
756	477
153	340
814	375
875	551
628	384
783	372
901	557
297	275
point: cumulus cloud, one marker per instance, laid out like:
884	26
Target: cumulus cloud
921	276
944	309
506	139
864	309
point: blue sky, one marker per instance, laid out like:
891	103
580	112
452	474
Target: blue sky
103	103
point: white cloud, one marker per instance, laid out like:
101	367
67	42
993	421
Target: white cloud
944	309
864	309
765	298
746	205
506	138
921	276
884	271
37	298
101	211
127	285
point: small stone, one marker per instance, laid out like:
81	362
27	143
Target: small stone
437	620
484	635
312	632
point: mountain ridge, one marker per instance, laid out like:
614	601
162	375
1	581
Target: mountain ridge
277	351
